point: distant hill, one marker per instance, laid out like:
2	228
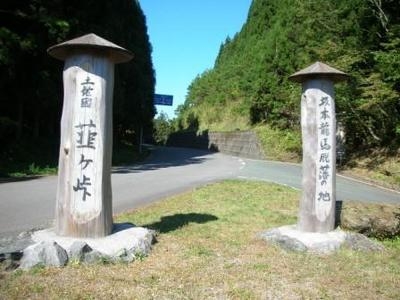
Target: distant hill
249	85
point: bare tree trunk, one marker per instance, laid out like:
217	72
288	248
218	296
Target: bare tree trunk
20	121
36	124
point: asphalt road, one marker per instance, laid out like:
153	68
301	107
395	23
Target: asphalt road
31	204
291	174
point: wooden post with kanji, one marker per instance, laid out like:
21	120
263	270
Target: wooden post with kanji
84	197
318	125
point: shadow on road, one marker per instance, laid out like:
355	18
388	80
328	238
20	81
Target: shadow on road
18	179
165	157
177	221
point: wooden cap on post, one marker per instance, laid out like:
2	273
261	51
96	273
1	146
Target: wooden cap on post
318	70
90	43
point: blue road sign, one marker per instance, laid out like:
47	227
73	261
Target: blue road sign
163	99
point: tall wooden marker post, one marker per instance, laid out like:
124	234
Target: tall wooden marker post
318	125
84	197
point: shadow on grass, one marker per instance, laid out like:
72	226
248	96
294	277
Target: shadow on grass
174	222
338	212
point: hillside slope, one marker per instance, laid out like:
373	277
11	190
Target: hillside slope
249	83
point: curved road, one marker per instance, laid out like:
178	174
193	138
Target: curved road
31	204
290	175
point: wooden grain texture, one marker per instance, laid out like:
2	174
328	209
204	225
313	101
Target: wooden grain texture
317	205
84	196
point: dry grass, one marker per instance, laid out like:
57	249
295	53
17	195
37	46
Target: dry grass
208	249
378	168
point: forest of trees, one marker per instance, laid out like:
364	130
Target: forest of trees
249	83
31	81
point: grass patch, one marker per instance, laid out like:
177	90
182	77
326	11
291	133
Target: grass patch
282	145
208	249
33	170
29	157
126	153
25	160
218	117
378	167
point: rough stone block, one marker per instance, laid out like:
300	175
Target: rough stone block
94	256
373	220
285	242
359	242
47	253
78	250
290	238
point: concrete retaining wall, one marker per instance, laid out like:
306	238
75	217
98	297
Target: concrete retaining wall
237	143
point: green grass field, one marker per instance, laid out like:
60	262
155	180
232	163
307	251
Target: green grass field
207	248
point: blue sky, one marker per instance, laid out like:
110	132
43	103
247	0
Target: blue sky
186	36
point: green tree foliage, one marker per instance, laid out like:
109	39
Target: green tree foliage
163	127
250	76
31	80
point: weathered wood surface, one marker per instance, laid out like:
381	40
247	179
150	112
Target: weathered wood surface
318	123
84	197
